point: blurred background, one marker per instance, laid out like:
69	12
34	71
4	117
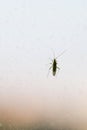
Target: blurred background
30	32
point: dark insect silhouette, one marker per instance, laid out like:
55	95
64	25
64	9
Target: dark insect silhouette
55	67
54	64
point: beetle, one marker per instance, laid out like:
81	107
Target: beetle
54	65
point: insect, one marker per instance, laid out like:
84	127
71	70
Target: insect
54	65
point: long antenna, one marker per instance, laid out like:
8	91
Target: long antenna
61	53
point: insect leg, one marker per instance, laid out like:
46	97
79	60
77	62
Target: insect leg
50	67
49	71
58	68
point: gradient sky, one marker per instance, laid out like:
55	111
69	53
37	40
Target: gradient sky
29	33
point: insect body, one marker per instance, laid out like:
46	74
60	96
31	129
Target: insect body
54	63
54	66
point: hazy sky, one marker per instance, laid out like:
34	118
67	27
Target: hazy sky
29	33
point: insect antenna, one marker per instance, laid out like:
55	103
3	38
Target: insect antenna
61	54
